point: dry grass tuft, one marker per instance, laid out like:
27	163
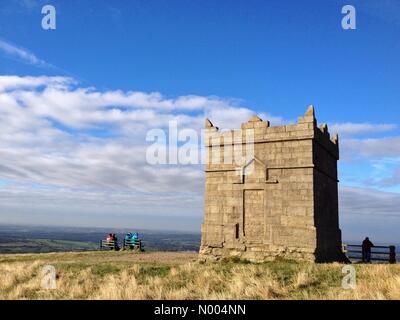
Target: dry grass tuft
110	275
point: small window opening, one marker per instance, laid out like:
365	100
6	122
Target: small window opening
237	231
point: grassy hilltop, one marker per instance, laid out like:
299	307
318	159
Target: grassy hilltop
178	275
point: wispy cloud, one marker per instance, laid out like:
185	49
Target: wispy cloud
368	212
375	148
29	4
364	201
11	7
22	54
351	129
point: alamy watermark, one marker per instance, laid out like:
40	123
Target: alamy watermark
185	146
49	21
49	279
349	280
349	20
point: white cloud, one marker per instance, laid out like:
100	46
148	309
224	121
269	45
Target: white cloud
351	129
52	162
368	212
22	54
368	202
387	147
59	136
103	208
64	147
26	83
377	159
393	180
81	108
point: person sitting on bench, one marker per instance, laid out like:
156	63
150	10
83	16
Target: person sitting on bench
128	240
128	236
115	239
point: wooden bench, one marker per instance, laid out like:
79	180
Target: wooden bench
378	253
133	244
109	244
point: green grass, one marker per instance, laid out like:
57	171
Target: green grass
160	275
45	246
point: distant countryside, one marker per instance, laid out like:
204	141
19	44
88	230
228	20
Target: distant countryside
28	239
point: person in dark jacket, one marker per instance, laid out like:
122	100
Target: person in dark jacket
366	250
115	239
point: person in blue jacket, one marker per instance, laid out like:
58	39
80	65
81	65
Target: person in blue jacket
128	238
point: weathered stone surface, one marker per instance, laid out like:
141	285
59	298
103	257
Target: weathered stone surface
280	200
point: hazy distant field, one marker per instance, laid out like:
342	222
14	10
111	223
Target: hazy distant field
25	239
178	275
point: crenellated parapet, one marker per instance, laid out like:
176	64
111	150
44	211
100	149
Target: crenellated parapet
257	130
306	127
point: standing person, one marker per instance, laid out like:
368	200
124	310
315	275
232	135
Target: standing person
366	250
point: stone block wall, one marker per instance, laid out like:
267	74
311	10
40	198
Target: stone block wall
274	194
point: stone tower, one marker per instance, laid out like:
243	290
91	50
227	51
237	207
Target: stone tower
275	194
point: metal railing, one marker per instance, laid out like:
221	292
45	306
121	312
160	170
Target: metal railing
378	253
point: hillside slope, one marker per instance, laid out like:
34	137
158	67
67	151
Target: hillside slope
178	275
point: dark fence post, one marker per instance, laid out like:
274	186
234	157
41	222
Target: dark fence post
392	254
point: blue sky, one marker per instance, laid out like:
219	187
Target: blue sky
225	48
268	57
